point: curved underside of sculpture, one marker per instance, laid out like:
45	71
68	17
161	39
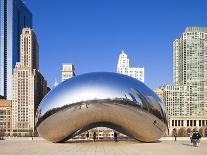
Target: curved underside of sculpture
101	99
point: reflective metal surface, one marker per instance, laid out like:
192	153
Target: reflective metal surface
101	99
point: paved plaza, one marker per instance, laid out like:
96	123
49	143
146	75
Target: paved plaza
42	147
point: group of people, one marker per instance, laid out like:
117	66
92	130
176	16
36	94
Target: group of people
94	136
195	137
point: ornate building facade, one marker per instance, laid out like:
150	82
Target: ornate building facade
29	86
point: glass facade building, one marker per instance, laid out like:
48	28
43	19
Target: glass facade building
14	17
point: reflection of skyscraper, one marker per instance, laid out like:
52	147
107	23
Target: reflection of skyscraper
123	68
14	16
29	86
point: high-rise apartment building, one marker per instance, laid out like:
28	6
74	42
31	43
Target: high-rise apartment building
190	67
123	68
68	71
186	99
14	17
29	86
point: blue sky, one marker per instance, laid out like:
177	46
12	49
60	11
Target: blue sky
91	34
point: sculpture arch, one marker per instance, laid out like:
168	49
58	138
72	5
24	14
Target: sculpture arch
101	99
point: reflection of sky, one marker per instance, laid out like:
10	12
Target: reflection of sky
93	86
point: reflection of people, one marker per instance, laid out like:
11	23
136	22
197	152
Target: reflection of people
87	135
175	134
115	136
196	138
94	136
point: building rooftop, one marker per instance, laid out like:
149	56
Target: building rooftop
5	103
196	29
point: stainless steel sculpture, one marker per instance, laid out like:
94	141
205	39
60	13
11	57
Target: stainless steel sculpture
101	99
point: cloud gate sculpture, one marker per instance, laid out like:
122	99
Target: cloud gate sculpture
101	99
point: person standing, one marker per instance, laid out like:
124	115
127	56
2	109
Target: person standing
198	137
194	140
115	136
175	134
191	134
94	136
87	135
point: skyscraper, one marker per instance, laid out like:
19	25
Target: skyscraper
29	86
186	99
190	66
123	68
14	17
68	71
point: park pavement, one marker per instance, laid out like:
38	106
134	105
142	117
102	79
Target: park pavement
81	147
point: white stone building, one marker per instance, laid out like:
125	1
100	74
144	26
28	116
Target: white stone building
29	86
68	71
124	68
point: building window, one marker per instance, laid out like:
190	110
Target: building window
194	122
191	122
203	123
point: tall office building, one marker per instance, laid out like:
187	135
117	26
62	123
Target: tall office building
14	17
29	86
123	68
68	71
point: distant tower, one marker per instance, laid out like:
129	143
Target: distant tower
68	71
29	86
123	63
123	68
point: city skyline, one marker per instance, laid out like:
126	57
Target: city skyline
92	34
141	71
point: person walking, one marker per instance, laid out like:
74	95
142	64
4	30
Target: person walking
94	136
175	134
